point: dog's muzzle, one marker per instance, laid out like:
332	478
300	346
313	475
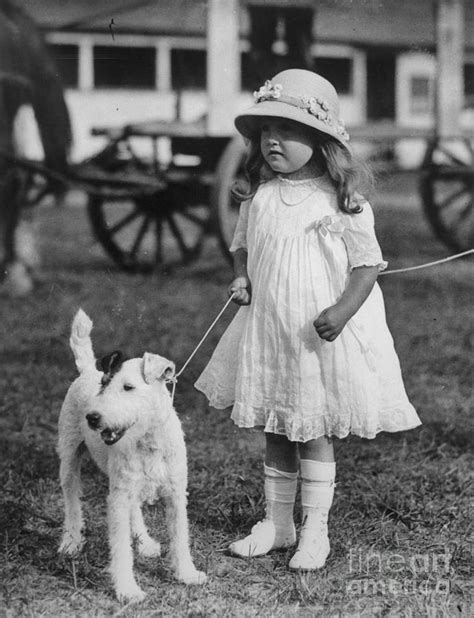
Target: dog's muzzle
111	436
108	435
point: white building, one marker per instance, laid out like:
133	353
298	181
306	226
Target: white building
124	62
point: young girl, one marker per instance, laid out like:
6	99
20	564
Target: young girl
308	356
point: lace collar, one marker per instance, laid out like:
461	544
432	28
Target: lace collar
304	182
295	192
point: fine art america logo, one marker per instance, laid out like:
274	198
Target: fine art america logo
384	573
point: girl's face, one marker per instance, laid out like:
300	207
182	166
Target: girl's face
287	146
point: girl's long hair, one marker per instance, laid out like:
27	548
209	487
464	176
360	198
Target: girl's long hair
348	174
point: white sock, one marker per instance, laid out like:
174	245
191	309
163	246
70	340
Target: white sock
317	491
278	529
280	493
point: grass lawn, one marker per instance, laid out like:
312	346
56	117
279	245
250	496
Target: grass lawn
400	526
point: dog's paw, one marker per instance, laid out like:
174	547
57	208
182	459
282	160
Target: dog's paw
149	548
191	576
70	545
131	593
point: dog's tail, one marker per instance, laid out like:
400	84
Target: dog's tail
80	341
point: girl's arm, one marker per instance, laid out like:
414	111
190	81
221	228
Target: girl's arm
332	320
241	283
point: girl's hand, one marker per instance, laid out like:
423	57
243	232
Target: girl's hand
241	287
330	322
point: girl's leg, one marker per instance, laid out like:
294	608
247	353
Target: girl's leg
277	530
318	473
280	453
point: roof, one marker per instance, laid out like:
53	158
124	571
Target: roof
399	23
361	22
130	16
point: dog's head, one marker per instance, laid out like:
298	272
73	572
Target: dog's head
132	393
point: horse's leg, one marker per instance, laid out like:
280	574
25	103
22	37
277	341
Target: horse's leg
13	274
17	280
26	144
8	210
9	194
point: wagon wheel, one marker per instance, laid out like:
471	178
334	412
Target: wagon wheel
35	182
33	188
447	191
149	232
225	207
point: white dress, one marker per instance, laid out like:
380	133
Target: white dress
270	363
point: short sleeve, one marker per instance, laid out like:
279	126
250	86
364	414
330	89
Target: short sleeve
240	234
362	246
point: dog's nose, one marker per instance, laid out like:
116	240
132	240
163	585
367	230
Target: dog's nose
93	419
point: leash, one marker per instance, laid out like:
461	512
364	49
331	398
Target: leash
428	264
174	379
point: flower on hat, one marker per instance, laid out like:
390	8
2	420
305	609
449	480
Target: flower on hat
320	109
317	107
268	91
341	130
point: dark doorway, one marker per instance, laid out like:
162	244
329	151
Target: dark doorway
380	85
280	38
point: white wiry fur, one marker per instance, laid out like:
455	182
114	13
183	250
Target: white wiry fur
149	457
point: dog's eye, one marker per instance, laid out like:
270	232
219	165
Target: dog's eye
128	387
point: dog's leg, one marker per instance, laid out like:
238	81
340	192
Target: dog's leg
121	556
177	522
145	544
70	475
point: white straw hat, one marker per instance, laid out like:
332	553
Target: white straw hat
299	95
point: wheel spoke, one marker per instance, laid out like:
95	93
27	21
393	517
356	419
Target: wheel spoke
159	241
470	146
450	199
178	235
141	233
194	218
123	222
464	213
451	156
41	194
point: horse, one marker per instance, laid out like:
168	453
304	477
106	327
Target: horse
28	78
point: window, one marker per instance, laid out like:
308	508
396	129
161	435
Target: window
337	70
421	99
66	59
469	85
124	67
188	69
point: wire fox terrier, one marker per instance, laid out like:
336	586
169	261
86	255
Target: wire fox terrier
124	416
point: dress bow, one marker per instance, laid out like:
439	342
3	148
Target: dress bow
329	224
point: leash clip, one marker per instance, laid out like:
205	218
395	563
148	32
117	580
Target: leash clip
172	381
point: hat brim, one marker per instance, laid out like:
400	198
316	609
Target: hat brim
249	121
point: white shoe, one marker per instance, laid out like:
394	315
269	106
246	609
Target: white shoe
263	538
313	548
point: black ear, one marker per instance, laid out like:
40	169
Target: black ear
111	363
